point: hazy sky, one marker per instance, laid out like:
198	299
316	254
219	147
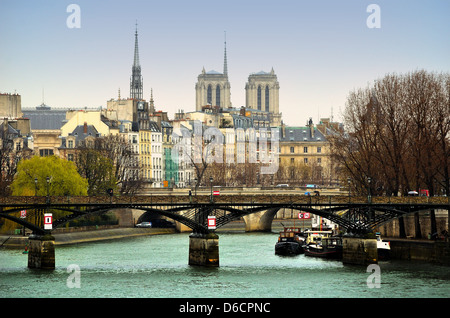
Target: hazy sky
320	50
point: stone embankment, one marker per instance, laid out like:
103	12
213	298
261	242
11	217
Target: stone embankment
19	241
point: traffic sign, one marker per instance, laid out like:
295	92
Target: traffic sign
211	222
216	192
304	215
23	214
48	220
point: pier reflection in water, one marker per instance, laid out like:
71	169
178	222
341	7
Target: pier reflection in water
156	266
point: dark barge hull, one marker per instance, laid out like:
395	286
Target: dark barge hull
288	248
384	254
324	253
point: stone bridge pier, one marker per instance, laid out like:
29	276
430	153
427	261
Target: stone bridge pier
41	251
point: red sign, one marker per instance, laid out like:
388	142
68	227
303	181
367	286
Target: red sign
23	214
211	222
304	215
216	192
48	220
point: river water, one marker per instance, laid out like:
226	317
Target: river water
157	266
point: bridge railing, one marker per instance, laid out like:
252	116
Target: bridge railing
226	199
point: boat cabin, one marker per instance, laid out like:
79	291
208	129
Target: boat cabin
315	237
332	241
289	234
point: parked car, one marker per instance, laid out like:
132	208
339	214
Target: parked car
144	224
162	223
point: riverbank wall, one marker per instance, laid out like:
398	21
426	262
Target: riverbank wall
66	238
420	250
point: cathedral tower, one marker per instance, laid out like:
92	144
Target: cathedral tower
262	93
213	88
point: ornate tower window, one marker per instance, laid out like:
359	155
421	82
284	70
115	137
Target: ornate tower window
209	95
218	95
267	99
259	98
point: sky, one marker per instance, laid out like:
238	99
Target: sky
319	50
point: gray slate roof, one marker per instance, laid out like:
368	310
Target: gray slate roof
44	118
301	134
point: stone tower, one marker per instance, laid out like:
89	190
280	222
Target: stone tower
262	93
213	88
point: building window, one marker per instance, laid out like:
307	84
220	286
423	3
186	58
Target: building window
319	160
305	149
209	95
70	157
259	97
292	161
267	99
305	160
70	143
292	149
218	95
319	149
46	152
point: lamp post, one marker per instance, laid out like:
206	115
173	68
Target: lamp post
195	187
35	194
210	183
48	185
48	192
369	196
349	182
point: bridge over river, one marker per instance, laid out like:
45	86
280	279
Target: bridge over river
356	215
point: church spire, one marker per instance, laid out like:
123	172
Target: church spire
225	65
136	77
136	48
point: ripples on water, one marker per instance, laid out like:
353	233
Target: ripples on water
157	266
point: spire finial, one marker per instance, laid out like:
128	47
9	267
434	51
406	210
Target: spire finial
136	91
136	48
225	65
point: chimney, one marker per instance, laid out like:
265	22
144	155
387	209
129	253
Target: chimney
85	128
311	127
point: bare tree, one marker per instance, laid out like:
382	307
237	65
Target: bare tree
397	133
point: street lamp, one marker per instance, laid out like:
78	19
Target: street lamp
35	194
210	182
48	190
369	196
349	182
195	186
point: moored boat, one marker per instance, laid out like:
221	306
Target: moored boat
290	242
322	244
329	247
383	248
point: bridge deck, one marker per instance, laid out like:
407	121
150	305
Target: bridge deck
161	199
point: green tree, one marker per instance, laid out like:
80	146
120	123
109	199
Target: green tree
63	178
